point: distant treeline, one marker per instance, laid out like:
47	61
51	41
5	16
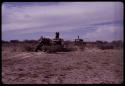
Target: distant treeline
30	45
95	42
17	41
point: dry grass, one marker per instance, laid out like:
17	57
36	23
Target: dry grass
92	66
18	47
29	46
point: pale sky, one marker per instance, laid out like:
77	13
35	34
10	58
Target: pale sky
90	20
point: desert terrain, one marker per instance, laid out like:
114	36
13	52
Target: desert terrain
91	66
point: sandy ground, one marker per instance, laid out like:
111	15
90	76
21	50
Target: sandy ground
92	66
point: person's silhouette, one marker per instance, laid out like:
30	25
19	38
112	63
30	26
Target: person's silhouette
57	35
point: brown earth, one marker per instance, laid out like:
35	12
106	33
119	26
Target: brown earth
91	66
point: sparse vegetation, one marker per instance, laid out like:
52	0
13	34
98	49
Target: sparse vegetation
20	64
29	46
18	46
105	46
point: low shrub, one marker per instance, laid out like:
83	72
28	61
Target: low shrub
105	46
